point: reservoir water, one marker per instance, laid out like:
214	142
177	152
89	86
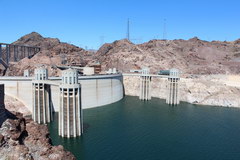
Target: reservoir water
135	130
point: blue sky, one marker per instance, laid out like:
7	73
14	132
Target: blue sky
83	23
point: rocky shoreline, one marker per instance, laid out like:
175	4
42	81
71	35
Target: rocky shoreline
23	139
215	90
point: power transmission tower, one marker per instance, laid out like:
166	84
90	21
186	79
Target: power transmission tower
128	34
128	30
101	38
164	29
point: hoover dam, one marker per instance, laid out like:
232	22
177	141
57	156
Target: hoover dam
96	90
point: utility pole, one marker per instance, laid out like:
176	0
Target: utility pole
128	30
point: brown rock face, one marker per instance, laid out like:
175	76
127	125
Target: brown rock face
192	56
1	140
14	105
53	53
21	138
35	39
13	129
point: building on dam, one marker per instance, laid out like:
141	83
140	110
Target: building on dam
70	112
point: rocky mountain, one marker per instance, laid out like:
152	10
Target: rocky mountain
53	53
192	56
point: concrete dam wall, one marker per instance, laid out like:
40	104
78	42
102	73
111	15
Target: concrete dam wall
95	90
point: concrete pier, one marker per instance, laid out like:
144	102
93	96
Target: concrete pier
42	109
173	87
145	85
2	106
70	112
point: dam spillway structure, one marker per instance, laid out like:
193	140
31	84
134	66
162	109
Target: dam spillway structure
145	85
42	109
173	87
70	112
2	105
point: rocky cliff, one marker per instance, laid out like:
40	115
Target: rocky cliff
217	90
23	139
192	56
53	53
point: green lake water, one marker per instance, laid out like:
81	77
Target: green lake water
136	130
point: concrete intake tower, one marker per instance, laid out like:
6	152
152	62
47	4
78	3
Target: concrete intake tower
70	112
173	87
42	108
145	85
